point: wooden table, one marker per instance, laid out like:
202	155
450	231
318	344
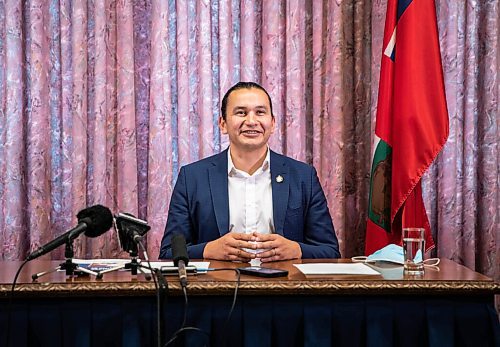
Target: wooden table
449	305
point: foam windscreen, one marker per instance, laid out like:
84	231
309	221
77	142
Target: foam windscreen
98	219
179	249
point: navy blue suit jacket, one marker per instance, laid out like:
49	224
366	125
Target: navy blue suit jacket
199	207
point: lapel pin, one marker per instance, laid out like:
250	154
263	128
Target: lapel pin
279	178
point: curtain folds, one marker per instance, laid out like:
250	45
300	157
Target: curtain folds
103	102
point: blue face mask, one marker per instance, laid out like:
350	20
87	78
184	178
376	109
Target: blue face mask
394	254
391	253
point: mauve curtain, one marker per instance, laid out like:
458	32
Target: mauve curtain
103	101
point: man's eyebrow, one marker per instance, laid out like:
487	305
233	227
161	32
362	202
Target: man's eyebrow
244	108
237	108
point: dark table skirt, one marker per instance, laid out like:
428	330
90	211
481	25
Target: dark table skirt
256	321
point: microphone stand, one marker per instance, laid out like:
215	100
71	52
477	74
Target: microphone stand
69	266
133	265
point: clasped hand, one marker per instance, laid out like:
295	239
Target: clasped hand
239	246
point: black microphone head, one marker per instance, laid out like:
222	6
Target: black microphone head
98	219
179	249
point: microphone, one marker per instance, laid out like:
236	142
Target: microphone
93	221
131	228
180	256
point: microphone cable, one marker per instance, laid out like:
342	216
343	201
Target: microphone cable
159	289
10	302
235	295
183	328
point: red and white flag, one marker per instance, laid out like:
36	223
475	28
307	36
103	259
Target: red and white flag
411	124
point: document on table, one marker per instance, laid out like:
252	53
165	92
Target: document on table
336	269
101	264
105	265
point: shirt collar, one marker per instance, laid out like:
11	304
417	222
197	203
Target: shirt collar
231	169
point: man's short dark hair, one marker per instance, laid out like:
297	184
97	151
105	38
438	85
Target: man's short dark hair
242	85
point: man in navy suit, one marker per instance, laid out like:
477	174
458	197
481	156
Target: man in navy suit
248	201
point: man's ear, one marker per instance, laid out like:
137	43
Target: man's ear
222	125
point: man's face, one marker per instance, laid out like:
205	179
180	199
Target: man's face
249	122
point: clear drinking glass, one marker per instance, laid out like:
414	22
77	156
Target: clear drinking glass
413	250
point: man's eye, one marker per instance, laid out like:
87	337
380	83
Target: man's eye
261	113
240	113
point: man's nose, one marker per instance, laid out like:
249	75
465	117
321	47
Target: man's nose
251	118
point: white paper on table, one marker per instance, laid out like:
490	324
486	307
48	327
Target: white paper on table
101	261
109	264
100	265
336	269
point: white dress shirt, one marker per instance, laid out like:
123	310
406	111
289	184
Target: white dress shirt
250	198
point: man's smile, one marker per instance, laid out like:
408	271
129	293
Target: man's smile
251	132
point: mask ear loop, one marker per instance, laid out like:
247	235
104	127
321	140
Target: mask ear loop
432	263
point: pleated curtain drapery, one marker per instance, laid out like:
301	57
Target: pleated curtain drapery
101	102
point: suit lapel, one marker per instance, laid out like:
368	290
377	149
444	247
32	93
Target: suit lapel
218	189
280	184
